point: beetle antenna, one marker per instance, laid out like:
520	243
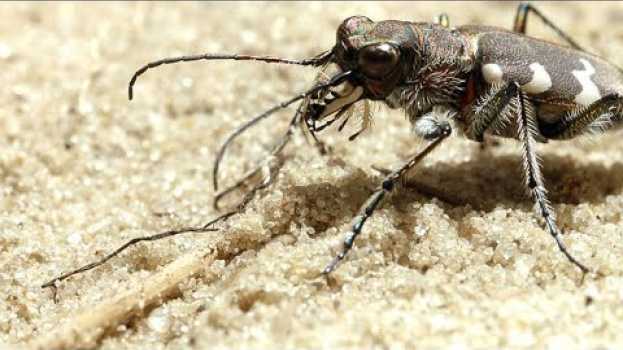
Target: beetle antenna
315	61
336	80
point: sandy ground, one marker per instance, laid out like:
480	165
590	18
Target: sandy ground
82	170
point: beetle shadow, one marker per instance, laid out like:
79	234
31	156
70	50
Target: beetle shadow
483	182
486	181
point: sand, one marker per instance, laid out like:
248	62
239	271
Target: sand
82	170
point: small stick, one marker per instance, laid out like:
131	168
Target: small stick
85	329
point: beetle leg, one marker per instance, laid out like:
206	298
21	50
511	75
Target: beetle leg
386	187
596	117
443	20
527	130
521	20
429	125
489	110
276	150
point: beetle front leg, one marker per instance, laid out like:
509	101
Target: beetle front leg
596	117
521	20
432	124
527	130
386	187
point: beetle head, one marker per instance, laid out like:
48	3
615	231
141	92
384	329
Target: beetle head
373	51
377	54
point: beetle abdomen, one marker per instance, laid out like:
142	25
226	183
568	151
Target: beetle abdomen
556	77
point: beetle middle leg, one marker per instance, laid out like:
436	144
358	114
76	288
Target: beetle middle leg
527	129
595	117
386	187
489	111
493	109
521	20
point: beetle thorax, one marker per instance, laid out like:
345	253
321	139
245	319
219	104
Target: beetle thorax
439	72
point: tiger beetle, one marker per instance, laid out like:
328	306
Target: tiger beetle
473	79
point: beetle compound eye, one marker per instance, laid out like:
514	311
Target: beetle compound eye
350	54
378	60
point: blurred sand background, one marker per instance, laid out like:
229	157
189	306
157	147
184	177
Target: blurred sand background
82	170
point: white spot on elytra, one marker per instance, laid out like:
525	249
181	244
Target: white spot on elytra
492	73
590	92
540	82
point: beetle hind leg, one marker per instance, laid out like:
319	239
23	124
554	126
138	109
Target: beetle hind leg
594	118
521	20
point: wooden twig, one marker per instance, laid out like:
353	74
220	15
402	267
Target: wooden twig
87	328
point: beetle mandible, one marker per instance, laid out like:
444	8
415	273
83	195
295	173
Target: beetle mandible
471	79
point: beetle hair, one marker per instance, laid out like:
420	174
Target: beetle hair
428	124
531	161
604	122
